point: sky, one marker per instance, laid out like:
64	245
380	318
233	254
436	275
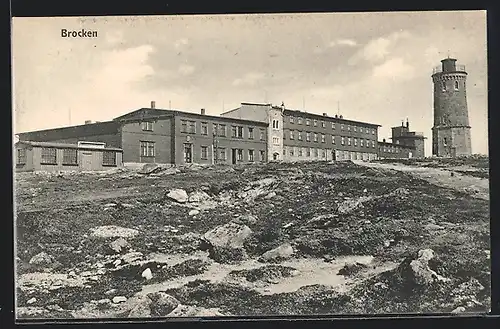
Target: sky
373	67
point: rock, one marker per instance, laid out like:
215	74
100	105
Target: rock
178	195
149	168
432	227
192	311
111	231
103	301
248	219
119	299
110	292
132	257
162	303
198	196
466	293
418	271
193	212
351	269
119	245
147	274
350	205
142	310
284	251
400	191
270	195
110	205
459	309
42	259
127	205
230	235
31	301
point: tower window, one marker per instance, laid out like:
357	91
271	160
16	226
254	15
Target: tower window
444	141
443	86
456	85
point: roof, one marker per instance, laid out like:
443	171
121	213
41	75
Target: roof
319	116
162	113
67	146
90	129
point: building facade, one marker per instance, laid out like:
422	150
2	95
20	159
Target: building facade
402	135
151	135
451	130
388	150
297	135
47	156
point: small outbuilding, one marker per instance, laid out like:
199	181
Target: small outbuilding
48	156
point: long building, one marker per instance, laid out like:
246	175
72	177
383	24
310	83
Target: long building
252	132
297	135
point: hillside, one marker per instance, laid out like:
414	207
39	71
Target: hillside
265	239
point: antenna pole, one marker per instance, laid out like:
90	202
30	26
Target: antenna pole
169	104
304	103
69	116
338	107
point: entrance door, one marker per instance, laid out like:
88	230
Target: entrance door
275	156
334	155
188	153
233	156
86	161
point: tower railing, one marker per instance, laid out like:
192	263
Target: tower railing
439	69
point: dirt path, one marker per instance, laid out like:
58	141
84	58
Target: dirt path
478	187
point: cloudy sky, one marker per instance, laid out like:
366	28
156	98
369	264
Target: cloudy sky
375	66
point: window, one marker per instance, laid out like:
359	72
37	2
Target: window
373	144
355	128
361	142
323	153
183	126
233	131
300	151
373	131
299	137
191	127
237	131
355	142
49	155
222	153
316	154
240	132
291	119
204	128
315	123
342	141
308	152
291	134
284	152
276	141
250	156
222	130
70	157
443	86
349	141
333	125
276	125
109	158
323	124
456	85
333	139
308	122
348	128
240	154
250	132
323	138
341	126
147	125
21	156
367	131
291	151
308	136
204	152
315	137
262	134
262	155
299	121
214	129
147	149
444	142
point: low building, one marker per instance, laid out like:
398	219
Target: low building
403	136
49	156
392	150
151	135
297	135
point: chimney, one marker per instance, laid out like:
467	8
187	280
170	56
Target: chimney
336	116
202	111
87	122
407	123
325	114
153	104
341	116
383	140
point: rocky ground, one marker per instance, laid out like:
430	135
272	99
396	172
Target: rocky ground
263	239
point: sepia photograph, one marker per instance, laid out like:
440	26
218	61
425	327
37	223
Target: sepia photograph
244	165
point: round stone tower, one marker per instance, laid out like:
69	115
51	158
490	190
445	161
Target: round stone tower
451	131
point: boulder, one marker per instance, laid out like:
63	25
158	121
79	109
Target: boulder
42	259
162	303
150	168
146	274
230	235
198	196
284	251
416	269
193	311
178	195
112	231
119	299
193	212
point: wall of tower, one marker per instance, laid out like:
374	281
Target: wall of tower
450	99
419	148
451	142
